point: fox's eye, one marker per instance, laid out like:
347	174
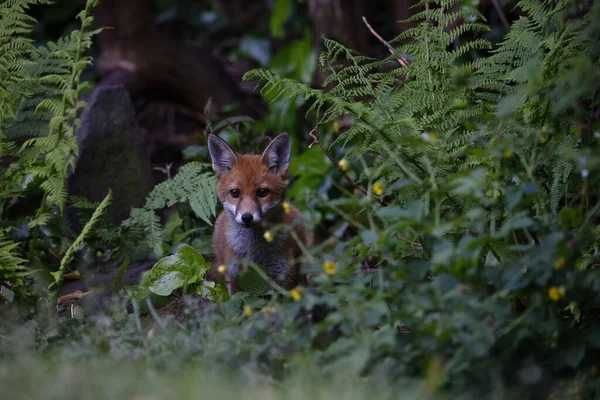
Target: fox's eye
234	193
262	192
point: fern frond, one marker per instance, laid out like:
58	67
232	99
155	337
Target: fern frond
66	259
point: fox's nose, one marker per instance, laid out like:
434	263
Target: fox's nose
247	218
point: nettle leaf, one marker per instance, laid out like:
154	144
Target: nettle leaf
187	266
252	282
233	306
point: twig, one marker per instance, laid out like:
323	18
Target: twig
494	253
375	155
401	60
502	16
409	241
314	135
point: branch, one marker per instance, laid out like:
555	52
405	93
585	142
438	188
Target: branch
315	136
502	16
401	60
419	245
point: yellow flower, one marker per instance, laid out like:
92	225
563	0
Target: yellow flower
296	294
544	139
507	154
286	207
336	126
556	293
248	310
344	164
222	269
378	188
430	137
329	267
560	263
268	236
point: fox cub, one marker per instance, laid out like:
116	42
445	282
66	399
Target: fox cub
252	189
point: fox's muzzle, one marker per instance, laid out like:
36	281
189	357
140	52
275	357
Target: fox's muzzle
244	213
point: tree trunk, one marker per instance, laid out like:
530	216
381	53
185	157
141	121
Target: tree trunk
150	64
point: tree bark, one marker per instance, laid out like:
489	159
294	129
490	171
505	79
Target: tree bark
340	20
148	63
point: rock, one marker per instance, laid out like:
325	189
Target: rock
112	154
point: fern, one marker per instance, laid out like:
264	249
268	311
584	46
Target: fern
39	92
13	269
415	122
48	111
66	259
192	186
437	116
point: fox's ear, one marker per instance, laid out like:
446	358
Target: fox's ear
277	154
223	157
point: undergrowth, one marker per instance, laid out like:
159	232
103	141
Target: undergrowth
470	268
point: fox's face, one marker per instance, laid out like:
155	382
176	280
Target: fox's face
249	186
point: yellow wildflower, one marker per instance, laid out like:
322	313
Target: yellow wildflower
336	126
222	269
329	267
268	236
556	293
507	154
248	310
430	137
286	207
378	188
560	263
296	294
344	164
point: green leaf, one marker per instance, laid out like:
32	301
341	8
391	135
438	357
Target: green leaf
232	121
169	273
215	291
297	60
251	282
369	236
574	355
138	292
233	306
281	12
516	221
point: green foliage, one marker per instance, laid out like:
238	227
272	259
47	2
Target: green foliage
12	268
488	167
47	111
39	103
475	275
185	270
281	12
192	186
85	232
